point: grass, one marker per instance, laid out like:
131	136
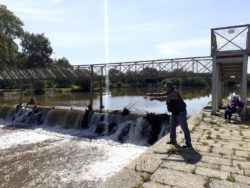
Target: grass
172	150
212	116
145	178
231	178
197	124
204	143
208	137
210	149
216	129
193	171
206	184
233	151
239	166
218	137
241	145
222	154
248	157
137	186
203	115
240	132
243	127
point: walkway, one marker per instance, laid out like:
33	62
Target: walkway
220	159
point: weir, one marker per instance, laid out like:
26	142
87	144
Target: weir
120	126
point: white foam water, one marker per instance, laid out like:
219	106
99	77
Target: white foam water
53	158
44	147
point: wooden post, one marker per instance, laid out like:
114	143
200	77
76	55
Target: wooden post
101	85
21	92
91	87
32	89
222	89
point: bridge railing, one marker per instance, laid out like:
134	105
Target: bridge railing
178	66
124	70
233	39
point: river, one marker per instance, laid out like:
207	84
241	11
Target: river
196	98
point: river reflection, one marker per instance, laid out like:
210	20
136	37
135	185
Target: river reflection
196	99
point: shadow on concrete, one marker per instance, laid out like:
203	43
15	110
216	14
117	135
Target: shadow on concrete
189	155
236	118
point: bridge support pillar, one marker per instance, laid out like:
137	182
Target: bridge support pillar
243	84
216	94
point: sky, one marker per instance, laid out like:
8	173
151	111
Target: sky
135	29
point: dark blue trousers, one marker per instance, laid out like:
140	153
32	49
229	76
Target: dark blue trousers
180	119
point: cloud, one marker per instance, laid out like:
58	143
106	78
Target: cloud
35	11
177	47
35	14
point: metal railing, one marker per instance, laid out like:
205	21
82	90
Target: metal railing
162	67
192	66
233	39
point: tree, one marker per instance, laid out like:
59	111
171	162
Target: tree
149	72
10	29
10	25
63	62
37	50
114	72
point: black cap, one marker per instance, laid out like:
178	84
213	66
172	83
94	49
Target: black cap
169	85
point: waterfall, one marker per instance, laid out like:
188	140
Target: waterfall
114	125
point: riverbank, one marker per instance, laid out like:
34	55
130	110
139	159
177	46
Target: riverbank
220	158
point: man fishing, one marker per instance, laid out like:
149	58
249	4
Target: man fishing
177	107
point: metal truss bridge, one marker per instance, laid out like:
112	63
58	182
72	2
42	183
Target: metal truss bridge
150	69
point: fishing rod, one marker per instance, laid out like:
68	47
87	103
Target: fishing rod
129	107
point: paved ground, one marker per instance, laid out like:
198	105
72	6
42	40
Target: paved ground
220	159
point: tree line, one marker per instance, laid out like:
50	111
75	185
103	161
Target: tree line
22	49
35	49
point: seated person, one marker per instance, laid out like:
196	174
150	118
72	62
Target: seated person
234	106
